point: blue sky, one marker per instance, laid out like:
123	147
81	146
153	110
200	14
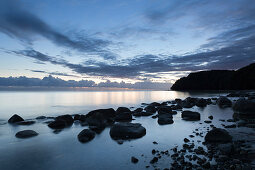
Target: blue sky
145	41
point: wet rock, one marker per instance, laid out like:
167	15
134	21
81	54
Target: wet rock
186	140
126	130
15	118
164	119
226	148
96	129
190	115
86	135
26	122
61	122
155	143
122	110
26	134
210	117
223	102
154	117
208	121
134	159
201	102
176	107
165	110
124	116
218	135
138	110
246	108
154	160
150	109
41	117
231	126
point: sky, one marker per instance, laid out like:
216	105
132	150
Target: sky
127	43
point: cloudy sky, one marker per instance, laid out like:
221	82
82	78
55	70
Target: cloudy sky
130	41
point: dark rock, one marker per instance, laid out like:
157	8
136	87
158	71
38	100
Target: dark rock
124	116
176	107
155	143
150	109
134	159
242	79
138	114
164	110
138	110
122	110
57	124
210	117
126	130
41	117
164	119
231	126
186	140
26	122
223	102
86	135
245	108
189	115
218	135
26	134
208	121
15	118
154	160
154	117
96	129
201	102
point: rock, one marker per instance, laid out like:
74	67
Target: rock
26	122
154	160
15	118
210	117
124	116
86	135
41	117
61	122
164	119
150	109
201	102
246	108
165	110
225	149
231	126
122	110
134	159
138	114
155	143
189	115
176	107
207	165
218	135
138	110
208	121
186	140
223	102
26	134
96	129
126	130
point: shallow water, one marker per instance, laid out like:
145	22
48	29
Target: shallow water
64	151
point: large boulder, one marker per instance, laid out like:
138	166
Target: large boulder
126	130
218	135
122	110
86	135
202	102
15	118
244	106
223	102
190	115
124	116
164	119
26	134
150	108
165	110
61	122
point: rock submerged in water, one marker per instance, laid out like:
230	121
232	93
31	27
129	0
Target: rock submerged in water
124	116
223	102
61	122
218	135
26	122
190	115
122	110
26	134
86	135
245	106
164	119
126	130
15	118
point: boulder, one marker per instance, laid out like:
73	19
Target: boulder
201	102
245	106
164	119
218	135
122	110
223	102
41	117
190	115
26	134
151	109
126	130
138	110
61	122
165	110
15	118
124	116
86	135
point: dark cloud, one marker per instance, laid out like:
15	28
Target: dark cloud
25	26
55	73
57	82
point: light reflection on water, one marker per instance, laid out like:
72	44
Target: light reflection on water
63	151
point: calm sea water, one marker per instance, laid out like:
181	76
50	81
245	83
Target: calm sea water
63	150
